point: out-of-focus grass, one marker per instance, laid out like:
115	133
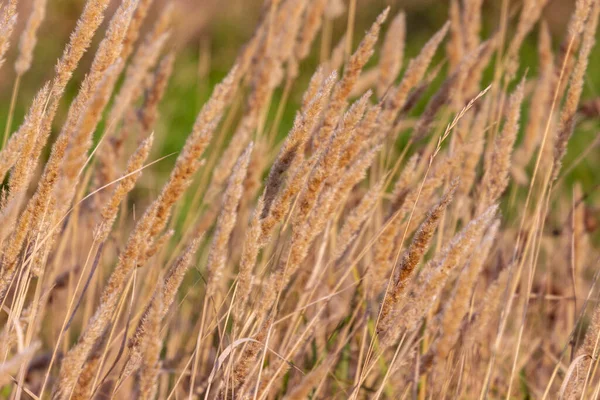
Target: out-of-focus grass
231	24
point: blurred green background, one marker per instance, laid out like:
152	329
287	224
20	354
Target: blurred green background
209	33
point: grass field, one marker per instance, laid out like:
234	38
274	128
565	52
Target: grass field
299	199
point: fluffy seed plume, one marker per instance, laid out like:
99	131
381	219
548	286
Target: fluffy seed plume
28	38
310	28
456	308
392	54
294	143
414	74
127	182
8	20
352	70
217	255
435	274
567	116
357	217
148	379
411	258
496	177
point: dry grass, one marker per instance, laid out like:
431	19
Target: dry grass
452	263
